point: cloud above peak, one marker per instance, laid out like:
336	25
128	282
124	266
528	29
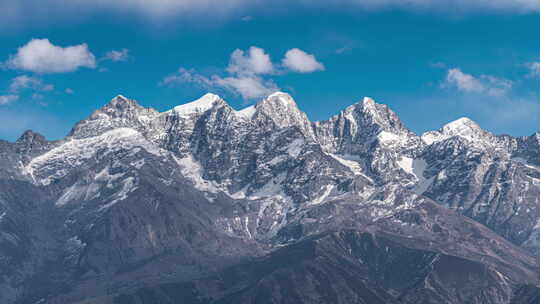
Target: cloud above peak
247	72
41	56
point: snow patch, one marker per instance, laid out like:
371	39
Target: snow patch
387	137
128	185
350	161
78	192
105	176
354	124
432	137
295	147
272	188
192	170
406	163
328	189
246	113
416	167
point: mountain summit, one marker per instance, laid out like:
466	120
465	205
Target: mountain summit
206	204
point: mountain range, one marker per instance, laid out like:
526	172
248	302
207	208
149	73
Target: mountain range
206	204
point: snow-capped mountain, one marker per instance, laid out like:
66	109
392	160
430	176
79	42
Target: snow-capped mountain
206	204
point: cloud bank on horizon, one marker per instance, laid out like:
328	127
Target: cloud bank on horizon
26	11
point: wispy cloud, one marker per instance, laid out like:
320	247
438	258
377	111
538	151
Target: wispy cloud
41	56
28	82
534	69
438	65
117	55
5	99
247	86
483	84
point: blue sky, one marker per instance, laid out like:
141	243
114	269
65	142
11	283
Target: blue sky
430	61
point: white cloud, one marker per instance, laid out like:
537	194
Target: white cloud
534	69
117	55
302	62
28	82
484	84
255	61
464	82
5	99
41	56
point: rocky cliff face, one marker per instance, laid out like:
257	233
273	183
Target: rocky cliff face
206	204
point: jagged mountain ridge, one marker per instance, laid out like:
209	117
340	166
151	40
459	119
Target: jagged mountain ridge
252	181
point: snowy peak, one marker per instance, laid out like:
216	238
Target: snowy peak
355	129
278	101
120	98
368	102
119	112
281	109
463	128
119	105
201	105
377	117
282	98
